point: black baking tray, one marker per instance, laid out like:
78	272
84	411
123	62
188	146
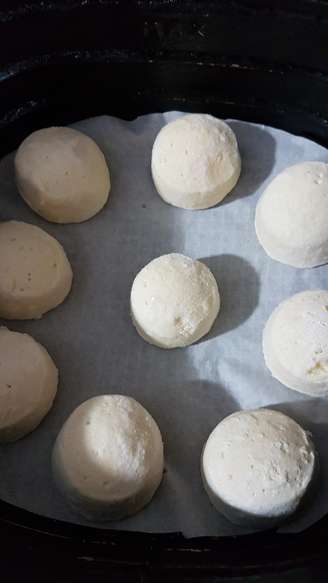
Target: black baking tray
261	61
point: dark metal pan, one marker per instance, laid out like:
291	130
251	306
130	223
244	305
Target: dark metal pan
265	62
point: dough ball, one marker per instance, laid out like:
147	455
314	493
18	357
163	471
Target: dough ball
174	301
35	274
292	216
62	175
257	467
108	458
295	343
195	161
28	384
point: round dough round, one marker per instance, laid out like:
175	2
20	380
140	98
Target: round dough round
174	301
257	467
292	215
28	384
195	161
35	274
295	343
108	457
62	175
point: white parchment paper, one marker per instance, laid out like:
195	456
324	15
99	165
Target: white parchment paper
188	391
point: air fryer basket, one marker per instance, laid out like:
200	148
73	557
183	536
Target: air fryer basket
62	61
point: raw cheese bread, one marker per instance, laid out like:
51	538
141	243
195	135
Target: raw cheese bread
174	301
28	384
108	458
62	175
295	343
292	215
195	161
35	274
257	467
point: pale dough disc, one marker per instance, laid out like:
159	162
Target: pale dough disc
28	384
295	343
292	215
174	301
195	161
108	457
62	175
257	467
35	274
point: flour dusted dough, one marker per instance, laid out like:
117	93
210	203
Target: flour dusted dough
295	343
28	384
195	161
292	215
62	175
35	274
108	457
174	301
257	467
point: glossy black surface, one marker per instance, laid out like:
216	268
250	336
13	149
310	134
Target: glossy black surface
62	61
